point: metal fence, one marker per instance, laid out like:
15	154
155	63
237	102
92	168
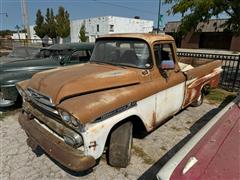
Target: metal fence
10	43
230	77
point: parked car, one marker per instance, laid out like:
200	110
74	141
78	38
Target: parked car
213	153
20	53
131	80
57	56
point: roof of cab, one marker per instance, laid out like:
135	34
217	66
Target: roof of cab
72	46
150	38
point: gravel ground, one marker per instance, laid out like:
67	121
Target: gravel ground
148	154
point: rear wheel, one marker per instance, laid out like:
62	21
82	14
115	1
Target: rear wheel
199	100
119	152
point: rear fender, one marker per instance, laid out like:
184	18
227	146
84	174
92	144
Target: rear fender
195	86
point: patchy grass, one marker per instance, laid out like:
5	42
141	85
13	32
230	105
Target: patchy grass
2	115
8	113
217	96
140	153
175	128
163	148
189	122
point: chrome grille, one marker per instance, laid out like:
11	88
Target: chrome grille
39	97
42	103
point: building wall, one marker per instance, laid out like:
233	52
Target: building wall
211	40
190	40
21	35
109	25
235	43
130	25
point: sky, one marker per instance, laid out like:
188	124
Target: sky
80	9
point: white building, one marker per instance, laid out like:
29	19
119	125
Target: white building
99	26
24	35
108	25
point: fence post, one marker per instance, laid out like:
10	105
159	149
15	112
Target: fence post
236	73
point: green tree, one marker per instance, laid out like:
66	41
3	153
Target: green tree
50	24
62	23
196	11
82	34
40	27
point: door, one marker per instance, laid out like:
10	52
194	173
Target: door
169	100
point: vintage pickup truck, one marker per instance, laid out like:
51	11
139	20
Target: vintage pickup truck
50	57
133	82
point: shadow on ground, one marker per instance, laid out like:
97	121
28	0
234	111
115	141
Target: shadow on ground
153	170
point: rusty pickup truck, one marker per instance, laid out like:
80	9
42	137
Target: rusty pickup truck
133	82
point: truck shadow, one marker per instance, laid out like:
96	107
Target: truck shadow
153	170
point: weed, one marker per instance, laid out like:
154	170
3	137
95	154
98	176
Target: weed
140	153
217	96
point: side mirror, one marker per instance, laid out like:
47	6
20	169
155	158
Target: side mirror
167	65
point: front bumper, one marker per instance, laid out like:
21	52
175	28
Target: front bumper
66	155
5	102
8	95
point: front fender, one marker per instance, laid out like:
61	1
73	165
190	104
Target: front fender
11	78
96	134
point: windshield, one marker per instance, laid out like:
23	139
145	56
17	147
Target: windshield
130	52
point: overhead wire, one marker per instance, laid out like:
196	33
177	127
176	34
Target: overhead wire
125	7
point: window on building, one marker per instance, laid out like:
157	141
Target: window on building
111	28
97	27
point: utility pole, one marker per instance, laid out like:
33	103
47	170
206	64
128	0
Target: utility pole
159	15
25	17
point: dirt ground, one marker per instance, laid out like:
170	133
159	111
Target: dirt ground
17	161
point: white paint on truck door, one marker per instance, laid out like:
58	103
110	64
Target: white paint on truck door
169	101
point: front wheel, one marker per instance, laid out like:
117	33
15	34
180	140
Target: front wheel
119	152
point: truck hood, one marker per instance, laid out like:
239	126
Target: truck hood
63	83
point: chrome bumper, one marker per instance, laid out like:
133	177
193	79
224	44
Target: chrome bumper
4	102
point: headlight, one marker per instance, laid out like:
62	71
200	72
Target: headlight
71	120
65	116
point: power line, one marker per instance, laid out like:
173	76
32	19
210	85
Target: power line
125	7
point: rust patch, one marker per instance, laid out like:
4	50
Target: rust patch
193	91
58	150
154	120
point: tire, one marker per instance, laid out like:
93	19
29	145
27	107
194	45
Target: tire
199	100
119	152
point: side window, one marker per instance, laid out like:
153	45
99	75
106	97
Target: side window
164	53
80	56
